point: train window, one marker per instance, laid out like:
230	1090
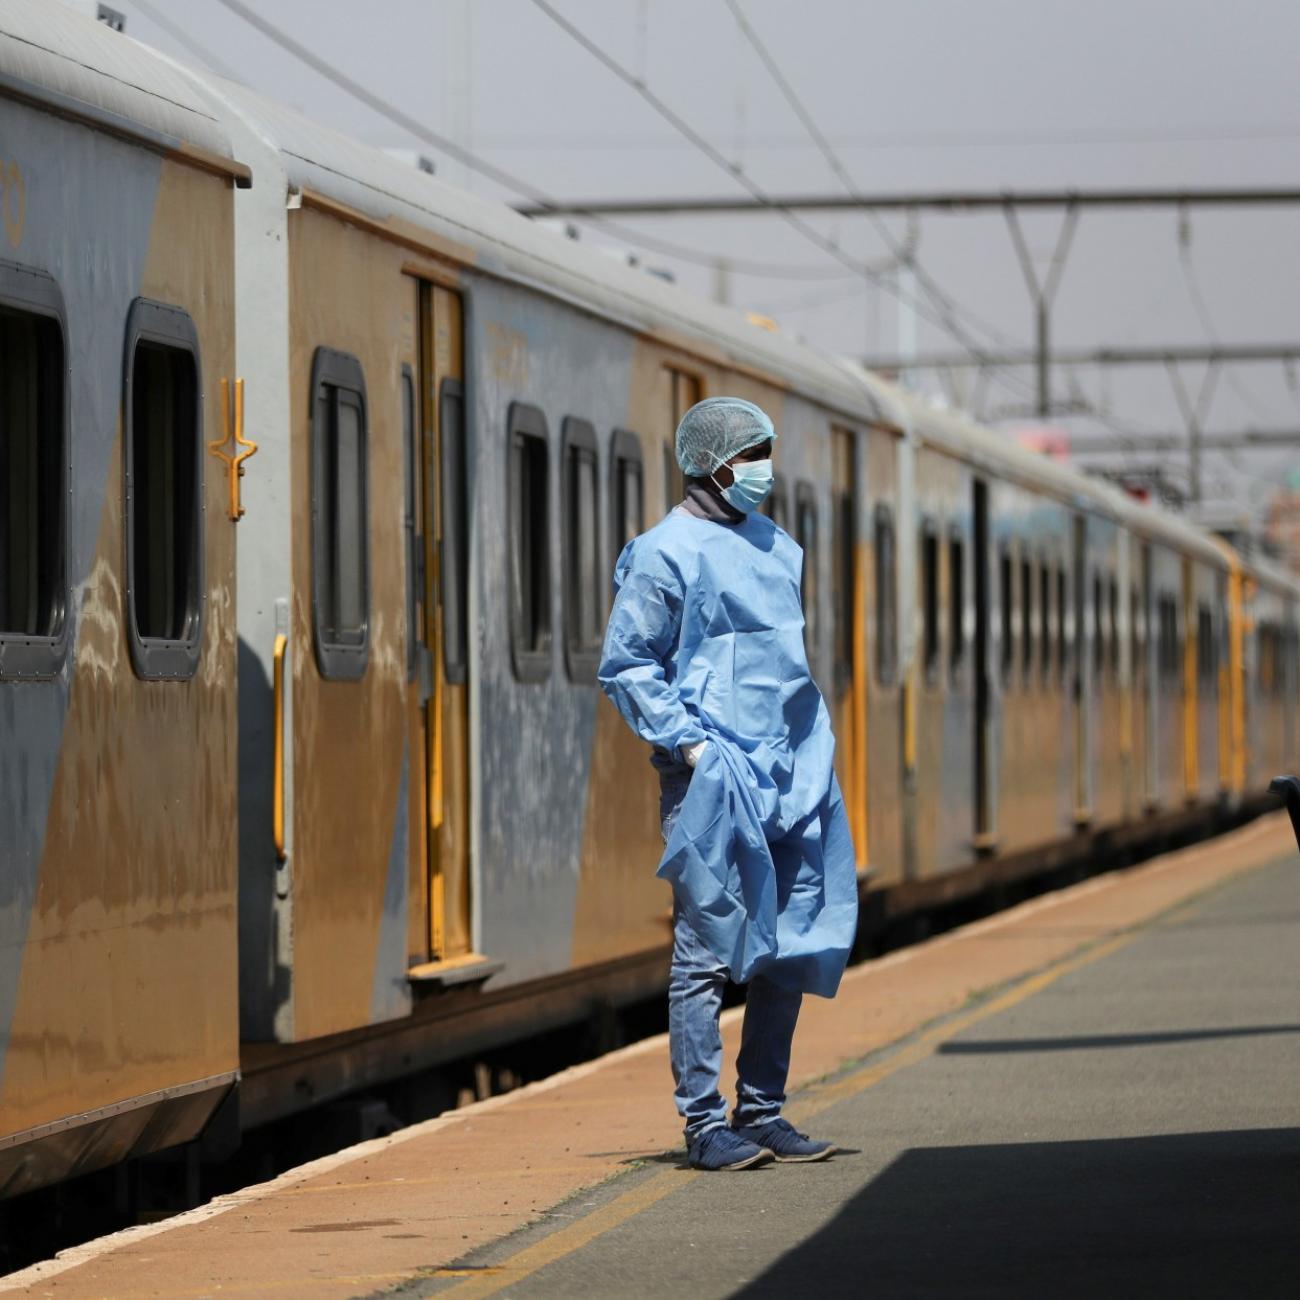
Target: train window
33	475
844	552
626	488
1062	625
674	481
1264	656
1045	622
1098	628
339	515
930	602
1206	666
886	596
410	520
1167	649
454	500
777	505
163	472
583	606
1136	638
805	524
1008	647
1027	620
684	391
530	544
1113	628
956	604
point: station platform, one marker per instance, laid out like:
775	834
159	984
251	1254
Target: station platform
1097	1091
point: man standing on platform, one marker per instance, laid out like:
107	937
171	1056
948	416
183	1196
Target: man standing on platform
704	656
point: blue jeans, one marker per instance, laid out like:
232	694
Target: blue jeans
695	988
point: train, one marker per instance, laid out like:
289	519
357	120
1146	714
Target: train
314	471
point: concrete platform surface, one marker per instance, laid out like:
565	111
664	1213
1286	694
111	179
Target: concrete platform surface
1090	1092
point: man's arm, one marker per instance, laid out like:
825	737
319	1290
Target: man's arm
642	634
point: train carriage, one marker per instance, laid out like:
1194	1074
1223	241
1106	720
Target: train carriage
370	732
117	604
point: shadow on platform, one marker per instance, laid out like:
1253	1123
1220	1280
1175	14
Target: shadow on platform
1194	1214
994	1046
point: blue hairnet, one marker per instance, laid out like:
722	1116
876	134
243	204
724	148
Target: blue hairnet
715	430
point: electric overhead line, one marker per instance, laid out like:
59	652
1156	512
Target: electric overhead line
185	40
758	196
903	254
543	204
959	201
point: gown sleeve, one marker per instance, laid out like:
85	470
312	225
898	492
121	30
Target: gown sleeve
644	626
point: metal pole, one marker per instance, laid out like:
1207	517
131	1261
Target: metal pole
1044	360
906	317
960	201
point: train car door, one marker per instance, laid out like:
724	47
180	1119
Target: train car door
848	586
443	510
1080	683
985	831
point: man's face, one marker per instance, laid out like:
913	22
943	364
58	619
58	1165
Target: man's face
759	451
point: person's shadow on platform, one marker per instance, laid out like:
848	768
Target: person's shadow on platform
1191	1214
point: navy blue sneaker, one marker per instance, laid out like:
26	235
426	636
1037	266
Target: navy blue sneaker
779	1137
720	1148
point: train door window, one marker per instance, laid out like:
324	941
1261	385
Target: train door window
1112	627
626	488
956	604
1027	620
674	482
1136	638
1098	628
1062	625
1206	648
530	543
1167	649
886	596
33	475
777	505
1044	622
583	606
684	391
454	499
164	491
930	602
1008	647
410	526
805	523
844	549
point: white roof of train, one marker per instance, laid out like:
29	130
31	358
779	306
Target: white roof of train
57	57
963	437
323	161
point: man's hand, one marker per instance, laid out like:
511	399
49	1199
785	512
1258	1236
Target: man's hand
692	753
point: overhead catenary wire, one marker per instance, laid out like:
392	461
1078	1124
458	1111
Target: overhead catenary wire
710	151
481	166
185	40
943	302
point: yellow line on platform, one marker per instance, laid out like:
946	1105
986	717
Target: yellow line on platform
566	1241
576	1236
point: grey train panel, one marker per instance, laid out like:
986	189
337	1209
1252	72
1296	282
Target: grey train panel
89	203
532	767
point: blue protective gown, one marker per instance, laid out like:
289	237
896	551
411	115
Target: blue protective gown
705	642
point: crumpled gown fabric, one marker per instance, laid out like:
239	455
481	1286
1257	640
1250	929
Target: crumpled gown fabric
705	642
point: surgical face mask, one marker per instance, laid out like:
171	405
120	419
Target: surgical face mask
751	483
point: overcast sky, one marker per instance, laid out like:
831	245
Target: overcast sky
913	97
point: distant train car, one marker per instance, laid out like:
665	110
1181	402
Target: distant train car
372	731
117	602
